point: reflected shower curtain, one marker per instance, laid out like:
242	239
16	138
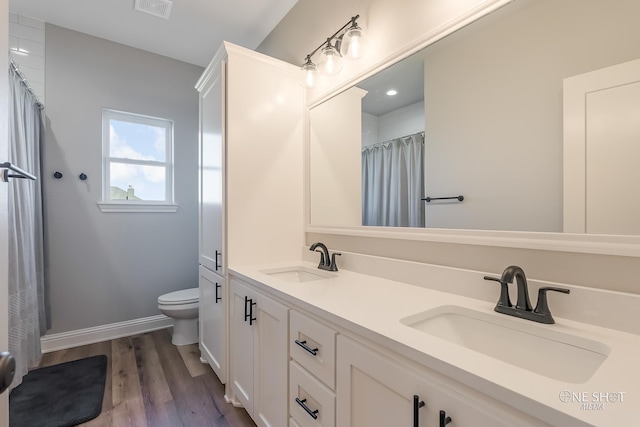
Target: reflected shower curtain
393	183
27	319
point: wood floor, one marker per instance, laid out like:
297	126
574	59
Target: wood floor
150	382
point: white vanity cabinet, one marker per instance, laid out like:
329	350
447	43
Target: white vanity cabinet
376	390
250	186
259	354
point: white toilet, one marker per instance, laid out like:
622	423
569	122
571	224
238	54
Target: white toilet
182	306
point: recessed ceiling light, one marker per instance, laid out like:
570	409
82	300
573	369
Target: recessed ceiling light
392	92
159	8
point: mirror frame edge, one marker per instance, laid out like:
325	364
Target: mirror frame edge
612	245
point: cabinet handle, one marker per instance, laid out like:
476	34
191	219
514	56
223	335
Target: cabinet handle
248	310
218	254
444	420
218	286
247	315
312	414
417	404
303	344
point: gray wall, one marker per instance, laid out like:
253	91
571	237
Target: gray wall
110	267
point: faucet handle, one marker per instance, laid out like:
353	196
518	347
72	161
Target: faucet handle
542	307
333	266
504	291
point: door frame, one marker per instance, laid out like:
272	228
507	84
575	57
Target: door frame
575	91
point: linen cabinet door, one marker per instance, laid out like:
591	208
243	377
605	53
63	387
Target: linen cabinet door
213	322
211	171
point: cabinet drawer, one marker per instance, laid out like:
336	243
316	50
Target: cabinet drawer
304	389
313	345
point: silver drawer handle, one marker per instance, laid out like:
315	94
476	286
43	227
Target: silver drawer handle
312	414
304	345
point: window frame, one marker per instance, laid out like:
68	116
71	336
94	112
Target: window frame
118	205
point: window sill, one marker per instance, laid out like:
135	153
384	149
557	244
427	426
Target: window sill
109	207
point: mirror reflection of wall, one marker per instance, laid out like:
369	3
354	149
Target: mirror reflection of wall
493	116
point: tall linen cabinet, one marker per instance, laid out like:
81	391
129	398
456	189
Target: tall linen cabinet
250	180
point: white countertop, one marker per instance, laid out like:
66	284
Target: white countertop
372	307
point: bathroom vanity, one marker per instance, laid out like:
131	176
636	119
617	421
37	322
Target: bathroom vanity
362	350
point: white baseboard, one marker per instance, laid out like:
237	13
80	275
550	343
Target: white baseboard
95	334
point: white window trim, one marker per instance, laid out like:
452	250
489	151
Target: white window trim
106	204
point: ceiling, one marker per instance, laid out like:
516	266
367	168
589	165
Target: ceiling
193	32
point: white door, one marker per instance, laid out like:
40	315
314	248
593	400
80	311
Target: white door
4	156
601	148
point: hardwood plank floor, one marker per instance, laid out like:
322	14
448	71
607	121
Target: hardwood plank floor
152	383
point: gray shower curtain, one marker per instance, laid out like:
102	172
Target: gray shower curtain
27	317
393	183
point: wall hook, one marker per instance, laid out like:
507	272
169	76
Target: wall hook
57	175
82	176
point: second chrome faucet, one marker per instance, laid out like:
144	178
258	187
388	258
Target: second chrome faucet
326	262
523	308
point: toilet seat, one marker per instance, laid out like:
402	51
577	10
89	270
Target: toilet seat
185	296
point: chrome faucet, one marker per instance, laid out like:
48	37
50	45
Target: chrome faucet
523	308
326	262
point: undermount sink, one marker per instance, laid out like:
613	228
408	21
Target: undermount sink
297	274
538	349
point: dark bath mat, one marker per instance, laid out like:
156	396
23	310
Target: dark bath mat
61	395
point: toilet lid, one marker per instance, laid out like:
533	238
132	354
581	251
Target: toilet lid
185	296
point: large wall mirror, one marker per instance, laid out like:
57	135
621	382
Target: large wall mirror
479	114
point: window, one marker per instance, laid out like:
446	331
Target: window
137	163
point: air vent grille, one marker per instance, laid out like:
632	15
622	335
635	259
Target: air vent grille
159	8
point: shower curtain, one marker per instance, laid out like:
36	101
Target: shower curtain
393	183
27	317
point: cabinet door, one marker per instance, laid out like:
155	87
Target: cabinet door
242	344
271	355
374	390
213	321
212	181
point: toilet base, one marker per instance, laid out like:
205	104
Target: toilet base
185	331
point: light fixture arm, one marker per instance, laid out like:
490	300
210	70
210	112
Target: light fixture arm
352	22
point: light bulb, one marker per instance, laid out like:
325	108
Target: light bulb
331	60
309	71
352	42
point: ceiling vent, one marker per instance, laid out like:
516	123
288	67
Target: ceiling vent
159	8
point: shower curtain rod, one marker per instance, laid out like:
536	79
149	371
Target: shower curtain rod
391	140
24	81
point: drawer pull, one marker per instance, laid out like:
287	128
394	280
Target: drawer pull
304	345
312	414
417	404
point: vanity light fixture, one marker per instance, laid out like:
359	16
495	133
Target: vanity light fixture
346	42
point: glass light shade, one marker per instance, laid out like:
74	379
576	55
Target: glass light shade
309	73
352	42
331	62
